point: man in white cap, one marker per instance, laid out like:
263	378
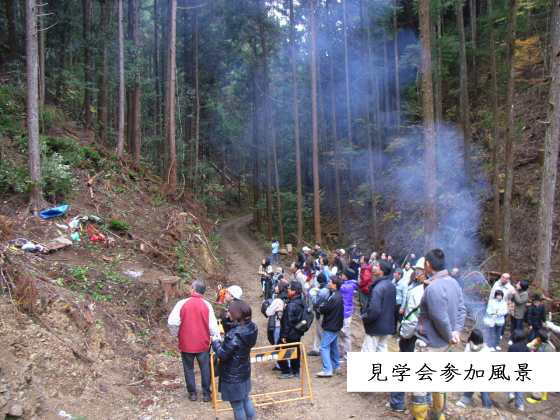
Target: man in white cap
303	255
232	293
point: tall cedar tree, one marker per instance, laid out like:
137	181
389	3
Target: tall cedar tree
32	68
369	91
430	221
171	69
550	167
314	125
11	23
509	138
334	125
396	53
135	130
495	122
88	61
295	114
121	97
464	102
103	73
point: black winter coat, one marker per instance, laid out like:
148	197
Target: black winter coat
291	316
535	316
333	313
379	314
234	352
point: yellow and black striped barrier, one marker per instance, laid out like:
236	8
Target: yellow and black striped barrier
271	354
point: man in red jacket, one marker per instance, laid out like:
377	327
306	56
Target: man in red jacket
194	323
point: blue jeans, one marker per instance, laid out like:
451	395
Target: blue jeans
329	351
243	409
275	258
484	396
494	334
396	400
518	396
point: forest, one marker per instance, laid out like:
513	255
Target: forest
327	118
161	125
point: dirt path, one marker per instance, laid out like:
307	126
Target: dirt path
330	397
331	401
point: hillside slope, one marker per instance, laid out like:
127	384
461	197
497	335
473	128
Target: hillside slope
82	328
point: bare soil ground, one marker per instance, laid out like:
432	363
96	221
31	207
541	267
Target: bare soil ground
331	401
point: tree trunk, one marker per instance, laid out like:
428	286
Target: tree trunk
430	222
510	127
550	167
269	218
370	83
171	68
438	90
277	181
256	154
42	36
386	78
495	125
473	27
347	74
103	94
196	128
464	90
295	112
88	65
36	193
135	91
11	24
397	78
334	125
62	51
314	125
157	97
121	101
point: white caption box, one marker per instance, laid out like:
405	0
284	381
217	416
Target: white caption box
453	372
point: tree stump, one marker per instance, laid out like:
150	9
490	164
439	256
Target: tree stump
169	286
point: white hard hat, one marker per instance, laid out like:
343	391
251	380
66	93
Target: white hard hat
235	291
419	264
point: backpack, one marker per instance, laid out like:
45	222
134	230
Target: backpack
306	319
270	328
264	306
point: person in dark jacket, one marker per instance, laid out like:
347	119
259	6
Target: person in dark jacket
333	321
535	316
519	344
292	315
235	361
379	315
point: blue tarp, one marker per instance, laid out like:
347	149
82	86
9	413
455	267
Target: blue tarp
54	212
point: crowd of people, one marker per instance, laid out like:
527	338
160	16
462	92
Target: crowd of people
418	302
